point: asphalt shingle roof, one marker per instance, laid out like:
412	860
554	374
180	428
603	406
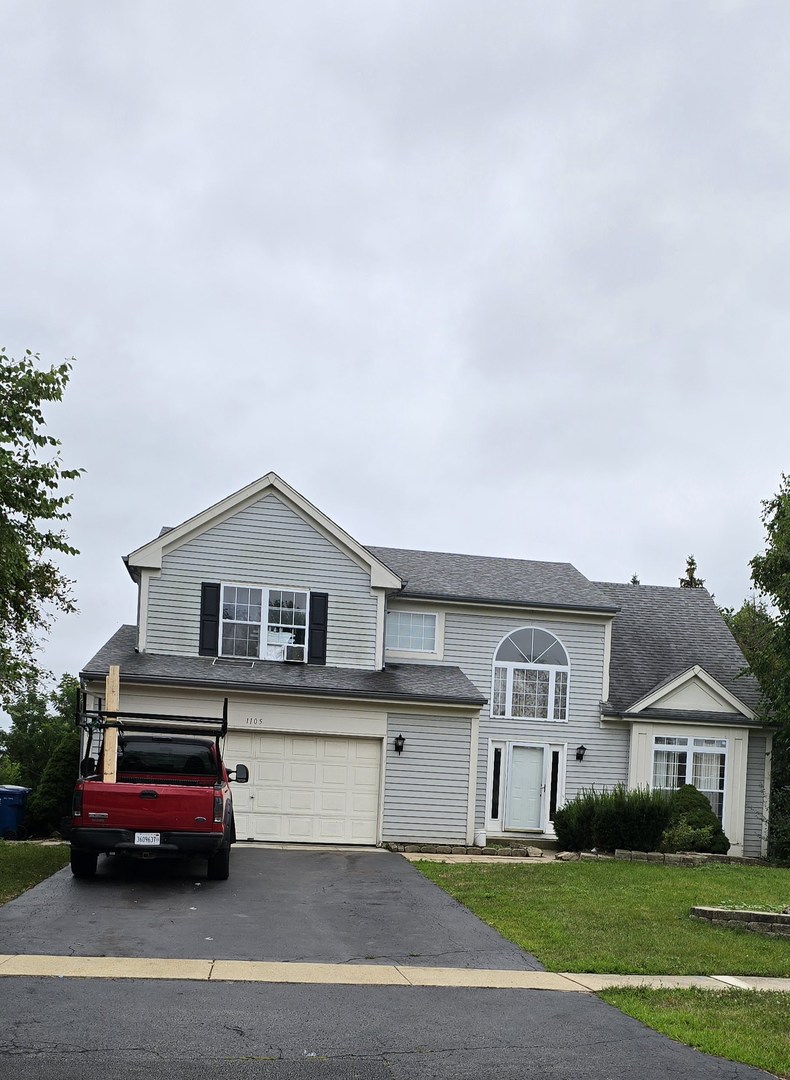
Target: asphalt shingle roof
401	682
660	632
483	579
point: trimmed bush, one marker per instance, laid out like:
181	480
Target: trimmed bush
693	825
618	818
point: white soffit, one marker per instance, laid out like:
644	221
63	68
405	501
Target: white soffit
149	556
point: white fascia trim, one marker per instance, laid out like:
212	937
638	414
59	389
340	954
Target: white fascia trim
150	555
680	680
607	659
471	806
484	607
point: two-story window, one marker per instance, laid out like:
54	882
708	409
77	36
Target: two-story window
530	678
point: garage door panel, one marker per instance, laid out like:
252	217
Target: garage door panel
300	800
307	789
301	773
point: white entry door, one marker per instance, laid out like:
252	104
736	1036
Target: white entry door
306	788
526	788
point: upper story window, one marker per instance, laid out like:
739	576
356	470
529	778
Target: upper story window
411	631
530	676
266	624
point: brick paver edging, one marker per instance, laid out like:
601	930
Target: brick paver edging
771	923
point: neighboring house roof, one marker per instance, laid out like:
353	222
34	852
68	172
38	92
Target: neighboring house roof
478	579
659	633
398	682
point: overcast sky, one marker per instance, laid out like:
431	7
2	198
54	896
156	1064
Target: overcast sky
507	278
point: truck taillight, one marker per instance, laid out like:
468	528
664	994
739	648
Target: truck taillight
76	804
217	809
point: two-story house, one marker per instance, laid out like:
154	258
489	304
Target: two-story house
380	694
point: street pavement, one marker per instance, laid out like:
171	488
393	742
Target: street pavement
362	911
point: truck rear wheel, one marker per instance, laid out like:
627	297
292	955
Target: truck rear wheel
219	864
83	863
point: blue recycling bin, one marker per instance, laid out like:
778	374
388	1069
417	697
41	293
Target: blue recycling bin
12	811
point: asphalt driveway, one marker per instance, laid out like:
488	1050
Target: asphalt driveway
322	906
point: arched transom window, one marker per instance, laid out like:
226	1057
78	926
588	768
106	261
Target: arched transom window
530	676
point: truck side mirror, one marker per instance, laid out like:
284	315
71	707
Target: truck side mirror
240	774
87	766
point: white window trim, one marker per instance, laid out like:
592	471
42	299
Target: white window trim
263	624
496	826
417	654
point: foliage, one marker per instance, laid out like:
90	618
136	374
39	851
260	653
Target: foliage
38	745
31	513
10	772
23	865
50	802
613	819
635	579
624	917
690	579
750	1026
693	825
770	662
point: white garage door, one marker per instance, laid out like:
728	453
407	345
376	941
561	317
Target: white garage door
307	788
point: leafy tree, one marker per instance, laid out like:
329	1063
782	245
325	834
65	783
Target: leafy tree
50	801
41	749
690	579
769	659
31	512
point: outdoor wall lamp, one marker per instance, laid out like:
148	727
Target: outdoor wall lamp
580	752
399	742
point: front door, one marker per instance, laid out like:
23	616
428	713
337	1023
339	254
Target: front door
525	789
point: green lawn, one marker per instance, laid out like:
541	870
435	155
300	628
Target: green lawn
23	865
749	1026
621	917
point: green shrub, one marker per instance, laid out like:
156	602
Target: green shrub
693	825
50	799
613	819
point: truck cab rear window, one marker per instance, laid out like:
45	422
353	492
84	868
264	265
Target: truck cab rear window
165	757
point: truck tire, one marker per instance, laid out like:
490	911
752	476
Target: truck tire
219	864
83	863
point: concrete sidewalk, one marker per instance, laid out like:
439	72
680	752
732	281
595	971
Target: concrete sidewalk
106	967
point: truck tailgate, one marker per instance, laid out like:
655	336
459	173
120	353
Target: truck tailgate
148	807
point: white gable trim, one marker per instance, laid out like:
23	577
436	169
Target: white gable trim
655	697
150	555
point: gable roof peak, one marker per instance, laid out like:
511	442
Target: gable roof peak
150	555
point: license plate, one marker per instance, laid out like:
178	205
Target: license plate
147	839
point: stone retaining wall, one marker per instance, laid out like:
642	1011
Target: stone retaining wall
513	852
771	923
684	858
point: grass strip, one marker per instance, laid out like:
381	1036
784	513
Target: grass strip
624	917
23	865
749	1026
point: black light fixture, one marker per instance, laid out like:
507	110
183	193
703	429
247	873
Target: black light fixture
399	742
580	752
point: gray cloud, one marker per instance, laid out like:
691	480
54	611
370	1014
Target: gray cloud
500	278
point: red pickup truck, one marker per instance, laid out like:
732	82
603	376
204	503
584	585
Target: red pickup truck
170	798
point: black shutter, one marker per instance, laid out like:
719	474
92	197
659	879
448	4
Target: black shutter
209	620
316	641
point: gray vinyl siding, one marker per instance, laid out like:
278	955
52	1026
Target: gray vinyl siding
755	794
427	786
265	544
470	640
